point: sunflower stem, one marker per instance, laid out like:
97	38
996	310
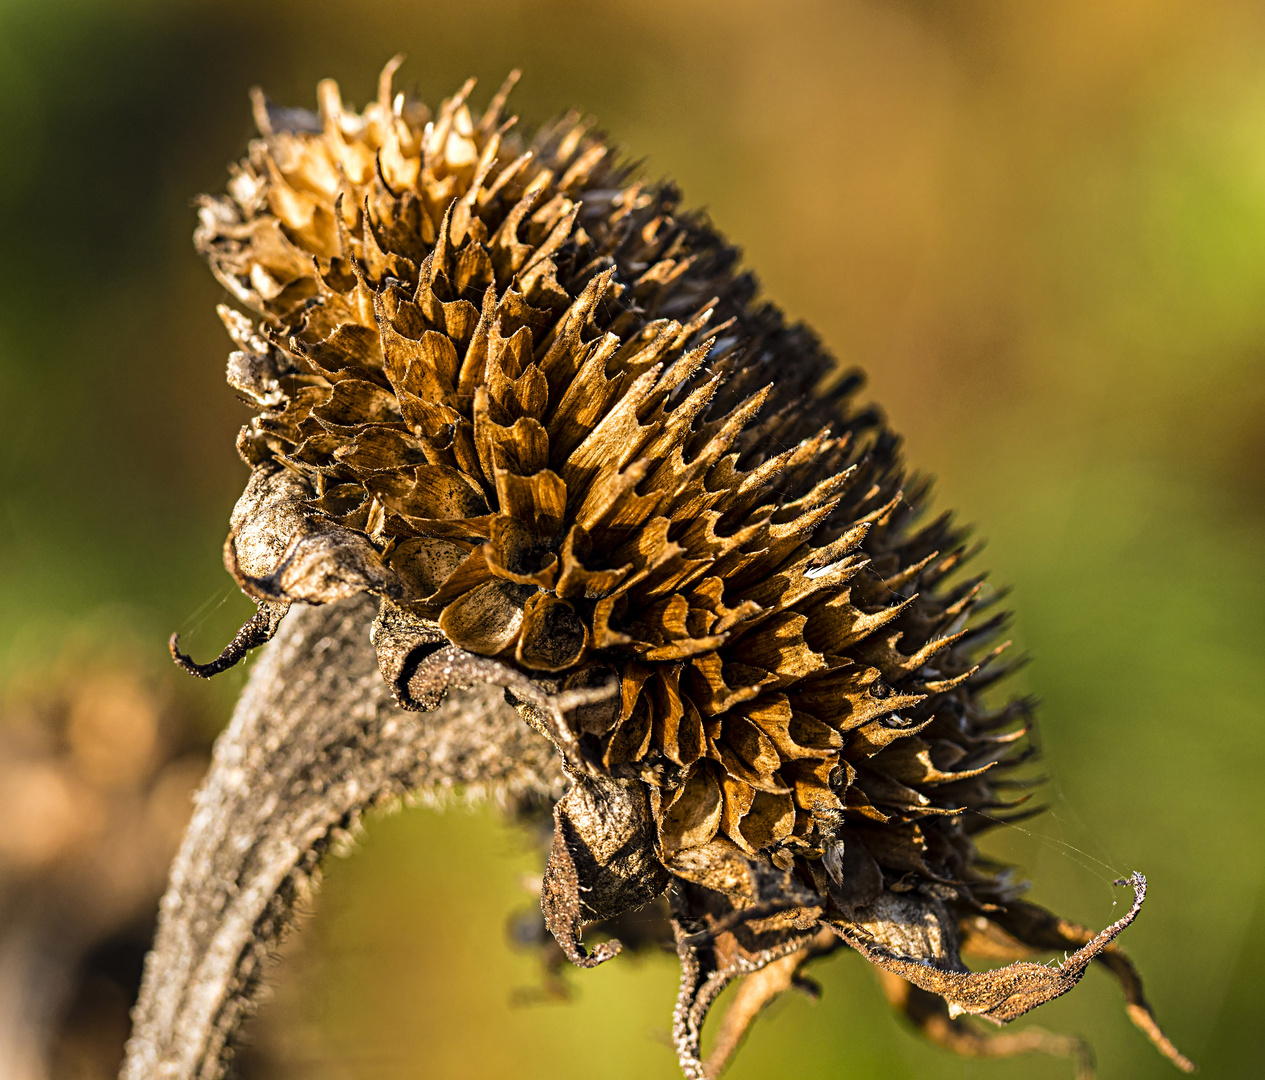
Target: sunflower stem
315	740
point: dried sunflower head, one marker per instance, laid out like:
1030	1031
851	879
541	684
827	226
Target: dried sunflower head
537	408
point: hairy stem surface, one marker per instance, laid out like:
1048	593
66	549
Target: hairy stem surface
314	741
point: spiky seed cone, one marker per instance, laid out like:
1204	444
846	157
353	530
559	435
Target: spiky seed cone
547	402
536	407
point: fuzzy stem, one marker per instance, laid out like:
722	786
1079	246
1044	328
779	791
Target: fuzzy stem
314	741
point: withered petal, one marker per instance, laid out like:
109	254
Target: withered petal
487	618
553	636
693	816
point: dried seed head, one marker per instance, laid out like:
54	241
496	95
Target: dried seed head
537	408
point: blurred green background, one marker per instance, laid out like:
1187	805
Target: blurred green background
1040	228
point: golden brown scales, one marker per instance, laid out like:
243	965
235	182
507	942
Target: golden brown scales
536	407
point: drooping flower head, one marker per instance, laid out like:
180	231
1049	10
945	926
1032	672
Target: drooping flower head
536	407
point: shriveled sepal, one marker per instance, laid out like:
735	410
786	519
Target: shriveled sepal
255	631
1033	929
761	988
279	549
913	937
402	640
731	916
601	863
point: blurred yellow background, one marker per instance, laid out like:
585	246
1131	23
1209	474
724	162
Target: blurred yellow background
1040	227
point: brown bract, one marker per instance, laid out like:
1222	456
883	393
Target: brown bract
533	405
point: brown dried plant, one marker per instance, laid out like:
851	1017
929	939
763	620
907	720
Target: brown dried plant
536	410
